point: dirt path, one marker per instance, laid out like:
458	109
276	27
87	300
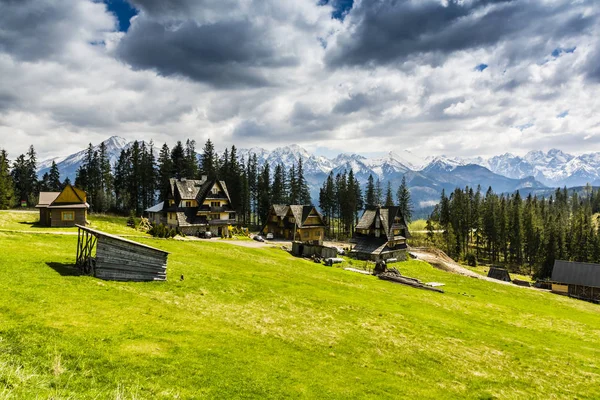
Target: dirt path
440	260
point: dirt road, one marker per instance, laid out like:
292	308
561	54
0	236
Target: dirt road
441	261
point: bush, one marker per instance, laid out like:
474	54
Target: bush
131	220
160	231
471	260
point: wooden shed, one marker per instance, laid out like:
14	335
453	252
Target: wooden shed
498	273
63	209
118	259
577	279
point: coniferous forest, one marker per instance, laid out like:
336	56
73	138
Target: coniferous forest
528	233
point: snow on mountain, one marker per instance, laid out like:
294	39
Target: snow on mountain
441	164
69	165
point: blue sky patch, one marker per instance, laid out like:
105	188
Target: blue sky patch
563	114
123	11
341	7
481	67
559	50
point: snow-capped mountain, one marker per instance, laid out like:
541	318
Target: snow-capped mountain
69	165
426	176
553	168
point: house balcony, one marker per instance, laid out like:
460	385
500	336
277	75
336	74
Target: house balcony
218	209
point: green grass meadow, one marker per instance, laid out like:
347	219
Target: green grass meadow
259	323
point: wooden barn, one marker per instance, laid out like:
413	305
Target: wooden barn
577	279
118	259
63	209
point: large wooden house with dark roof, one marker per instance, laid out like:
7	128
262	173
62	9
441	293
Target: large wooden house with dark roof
577	279
380	234
195	207
295	222
63	209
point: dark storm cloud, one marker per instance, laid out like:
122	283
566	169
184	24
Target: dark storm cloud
388	31
592	66
34	30
29	30
225	53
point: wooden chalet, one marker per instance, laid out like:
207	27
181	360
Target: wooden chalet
195	207
500	274
111	257
295	222
63	209
380	235
577	279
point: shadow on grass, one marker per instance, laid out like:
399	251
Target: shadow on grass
34	224
64	269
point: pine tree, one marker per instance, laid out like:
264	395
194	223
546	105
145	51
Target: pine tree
278	193
165	172
179	162
389	197
370	193
264	192
7	194
208	160
191	160
303	192
404	200
378	193
54	184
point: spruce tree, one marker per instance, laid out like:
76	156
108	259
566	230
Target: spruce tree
165	172
389	197
303	192
54	178
370	200
404	200
7	194
208	160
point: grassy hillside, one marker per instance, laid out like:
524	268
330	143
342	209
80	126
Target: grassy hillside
258	323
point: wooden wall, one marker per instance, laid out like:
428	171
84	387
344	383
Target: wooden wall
80	217
122	261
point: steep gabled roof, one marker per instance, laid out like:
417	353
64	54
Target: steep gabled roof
47	198
188	189
367	219
157	208
280	210
576	273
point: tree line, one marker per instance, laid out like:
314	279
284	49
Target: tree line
142	173
531	233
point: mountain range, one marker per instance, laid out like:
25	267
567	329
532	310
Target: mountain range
426	177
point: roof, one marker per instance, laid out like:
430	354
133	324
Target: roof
386	215
500	274
108	235
366	220
280	210
47	198
576	273
372	245
157	208
188	188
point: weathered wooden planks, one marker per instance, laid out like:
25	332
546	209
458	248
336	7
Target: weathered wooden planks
122	259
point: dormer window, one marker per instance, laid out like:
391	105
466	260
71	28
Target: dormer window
215	190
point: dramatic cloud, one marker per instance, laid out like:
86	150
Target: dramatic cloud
462	77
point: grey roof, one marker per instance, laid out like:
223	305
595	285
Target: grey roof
47	198
372	245
280	210
157	208
366	220
576	273
188	189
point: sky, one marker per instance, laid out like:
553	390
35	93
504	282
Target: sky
456	77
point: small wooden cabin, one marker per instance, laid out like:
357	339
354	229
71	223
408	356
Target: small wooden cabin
577	279
63	209
118	259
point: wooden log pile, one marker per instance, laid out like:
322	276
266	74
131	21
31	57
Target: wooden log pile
393	275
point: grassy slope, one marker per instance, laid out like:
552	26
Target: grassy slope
259	323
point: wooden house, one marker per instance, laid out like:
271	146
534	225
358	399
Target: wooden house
380	235
63	209
577	279
111	257
195	207
295	222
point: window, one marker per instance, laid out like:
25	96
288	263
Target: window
215	204
215	190
213	216
67	216
306	234
188	203
292	220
